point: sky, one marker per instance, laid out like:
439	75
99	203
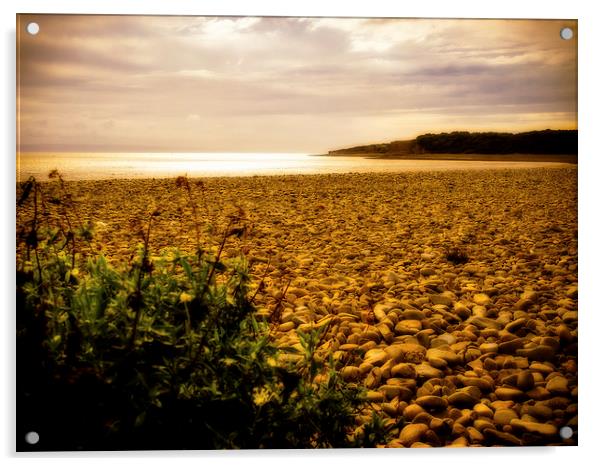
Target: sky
309	85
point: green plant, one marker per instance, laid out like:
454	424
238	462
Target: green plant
161	352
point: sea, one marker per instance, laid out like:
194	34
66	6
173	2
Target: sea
97	166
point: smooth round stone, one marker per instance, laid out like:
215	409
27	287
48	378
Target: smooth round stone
501	404
420	445
411	411
458	429
350	373
504	416
365	368
441	299
516	325
406	352
426	371
446	354
504	438
490	365
403	370
390	409
481	299
461	311
401	329
459	442
479	311
437	362
540	367
286	326
485	322
376	357
547	430
510	346
481	383
411	323
462	398
558	385
482	410
443	339
504	393
437	424
482	424
412	433
538	393
474	435
375	397
399	391
569	317
432	402
530	295
525	380
412	314
349	347
489	348
539	411
538	353
552	342
572	292
471	355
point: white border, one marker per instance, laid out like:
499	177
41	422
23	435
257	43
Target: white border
590	233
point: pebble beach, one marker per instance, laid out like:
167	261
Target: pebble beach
450	296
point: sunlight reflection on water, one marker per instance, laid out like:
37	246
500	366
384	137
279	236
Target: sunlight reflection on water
83	166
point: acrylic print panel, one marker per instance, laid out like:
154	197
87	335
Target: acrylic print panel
261	232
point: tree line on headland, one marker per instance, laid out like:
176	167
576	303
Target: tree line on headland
464	142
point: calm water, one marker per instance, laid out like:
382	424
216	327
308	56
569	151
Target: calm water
87	166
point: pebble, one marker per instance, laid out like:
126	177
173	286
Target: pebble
558	385
431	402
504	416
411	411
483	410
504	438
441	299
485	322
525	380
350	373
481	299
510	346
411	433
488	348
375	397
406	352
548	430
538	353
449	356
504	393
425	371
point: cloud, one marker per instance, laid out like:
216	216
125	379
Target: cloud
286	84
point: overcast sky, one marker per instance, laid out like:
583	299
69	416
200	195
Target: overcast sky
128	83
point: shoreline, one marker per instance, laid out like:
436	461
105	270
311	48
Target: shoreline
498	165
544	158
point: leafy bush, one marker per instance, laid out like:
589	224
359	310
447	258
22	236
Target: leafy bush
159	353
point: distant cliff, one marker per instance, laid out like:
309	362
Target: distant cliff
463	142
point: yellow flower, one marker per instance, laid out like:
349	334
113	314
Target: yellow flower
75	272
261	396
185	297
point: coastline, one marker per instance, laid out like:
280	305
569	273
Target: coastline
546	158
